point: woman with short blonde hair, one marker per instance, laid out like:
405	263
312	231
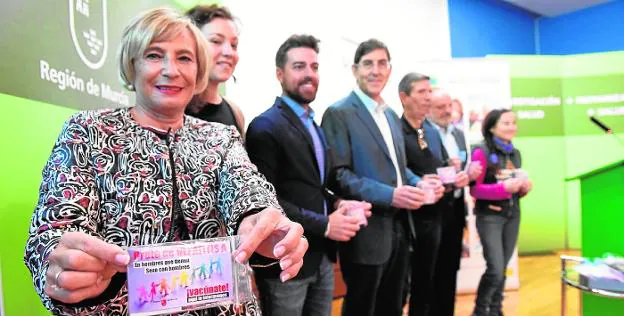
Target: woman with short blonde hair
148	175
161	24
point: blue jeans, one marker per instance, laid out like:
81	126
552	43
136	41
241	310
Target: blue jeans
498	234
309	296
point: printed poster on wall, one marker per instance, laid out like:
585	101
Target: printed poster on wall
72	62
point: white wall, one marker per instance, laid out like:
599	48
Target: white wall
480	84
414	30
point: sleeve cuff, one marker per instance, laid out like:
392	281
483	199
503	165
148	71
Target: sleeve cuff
117	282
245	215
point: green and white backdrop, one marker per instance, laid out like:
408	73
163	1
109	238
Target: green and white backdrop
553	97
49	71
54	63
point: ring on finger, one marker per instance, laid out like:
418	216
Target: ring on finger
56	285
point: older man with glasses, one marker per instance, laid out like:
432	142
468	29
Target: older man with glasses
369	155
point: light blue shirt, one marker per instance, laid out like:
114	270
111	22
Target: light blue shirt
450	144
449	141
369	103
307	118
299	110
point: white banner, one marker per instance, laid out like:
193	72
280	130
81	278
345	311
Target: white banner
341	26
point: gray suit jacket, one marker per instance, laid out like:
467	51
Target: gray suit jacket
432	136
364	171
435	142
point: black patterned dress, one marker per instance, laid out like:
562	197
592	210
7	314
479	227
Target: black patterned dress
111	178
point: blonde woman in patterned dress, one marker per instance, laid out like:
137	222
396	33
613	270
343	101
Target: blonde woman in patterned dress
145	175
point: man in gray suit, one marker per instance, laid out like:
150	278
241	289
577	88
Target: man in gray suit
369	157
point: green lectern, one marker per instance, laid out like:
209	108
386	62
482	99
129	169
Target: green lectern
602	226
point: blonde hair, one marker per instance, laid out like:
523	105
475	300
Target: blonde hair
159	24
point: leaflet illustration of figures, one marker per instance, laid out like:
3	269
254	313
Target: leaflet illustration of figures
173	277
88	23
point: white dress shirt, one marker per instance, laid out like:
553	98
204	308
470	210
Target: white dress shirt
377	112
450	144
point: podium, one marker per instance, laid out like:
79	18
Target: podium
602	226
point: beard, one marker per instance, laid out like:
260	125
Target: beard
298	97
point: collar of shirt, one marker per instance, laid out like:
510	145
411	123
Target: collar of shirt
369	103
297	108
449	129
407	127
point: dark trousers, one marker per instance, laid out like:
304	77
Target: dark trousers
423	261
375	290
449	259
498	234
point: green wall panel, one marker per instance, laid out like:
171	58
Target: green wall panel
602	220
584	147
573	215
29	129
541	228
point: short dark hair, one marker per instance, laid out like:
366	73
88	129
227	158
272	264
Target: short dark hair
406	83
367	47
295	41
489	122
204	14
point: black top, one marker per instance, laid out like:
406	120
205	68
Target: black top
220	113
498	159
421	161
179	230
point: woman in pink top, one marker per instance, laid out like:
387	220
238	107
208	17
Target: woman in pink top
497	191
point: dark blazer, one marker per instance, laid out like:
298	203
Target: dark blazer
364	171
281	147
435	142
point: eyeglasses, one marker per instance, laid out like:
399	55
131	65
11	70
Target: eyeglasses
381	65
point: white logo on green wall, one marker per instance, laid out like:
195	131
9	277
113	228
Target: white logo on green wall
89	30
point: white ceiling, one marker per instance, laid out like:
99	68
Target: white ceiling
555	7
